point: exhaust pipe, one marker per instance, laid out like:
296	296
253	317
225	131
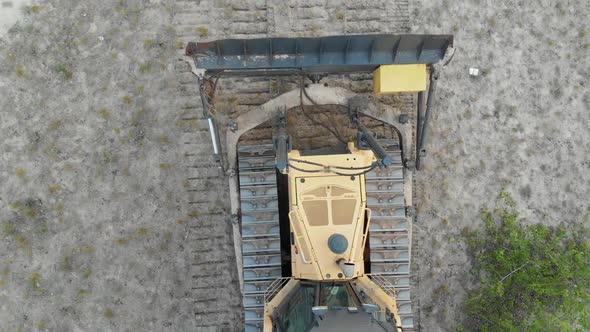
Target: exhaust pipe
347	268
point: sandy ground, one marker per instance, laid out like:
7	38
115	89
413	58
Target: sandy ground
96	229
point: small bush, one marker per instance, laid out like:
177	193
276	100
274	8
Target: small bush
8	229
87	273
531	278
20	71
35	284
23	243
65	71
29	10
108	313
202	31
104	113
145	67
164	139
20	172
127	100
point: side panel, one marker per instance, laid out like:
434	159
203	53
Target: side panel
399	78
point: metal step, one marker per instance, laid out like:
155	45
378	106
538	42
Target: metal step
388	240
256	287
258	177
252	245
390	256
262	274
262	261
389	173
262	203
387	211
390	230
389	224
257	229
253	319
391	269
399	280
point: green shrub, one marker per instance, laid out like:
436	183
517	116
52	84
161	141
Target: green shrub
65	71
202	31
531	278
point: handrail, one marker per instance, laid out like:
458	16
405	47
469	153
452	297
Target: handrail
388	289
383	283
366	233
297	236
274	288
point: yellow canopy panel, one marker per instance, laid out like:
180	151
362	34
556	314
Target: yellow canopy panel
399	78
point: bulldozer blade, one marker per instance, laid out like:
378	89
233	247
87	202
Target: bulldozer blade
333	54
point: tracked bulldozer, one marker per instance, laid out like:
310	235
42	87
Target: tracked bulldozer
322	226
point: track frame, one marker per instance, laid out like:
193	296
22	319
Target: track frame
403	150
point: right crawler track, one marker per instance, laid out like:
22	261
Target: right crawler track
390	230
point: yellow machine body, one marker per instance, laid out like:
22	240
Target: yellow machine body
399	78
324	205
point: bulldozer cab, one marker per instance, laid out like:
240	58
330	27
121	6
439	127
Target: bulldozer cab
330	306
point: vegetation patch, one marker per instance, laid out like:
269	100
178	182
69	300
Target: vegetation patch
164	139
20	71
20	172
35	284
82	293
165	166
53	188
108	157
166	241
531	277
202	31
127	100
86	273
145	67
148	43
65	71
77	259
23	243
67	264
108	313
29	10
141	232
8	228
55	125
104	113
30	208
87	249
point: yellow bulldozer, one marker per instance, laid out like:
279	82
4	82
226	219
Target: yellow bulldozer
322	226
